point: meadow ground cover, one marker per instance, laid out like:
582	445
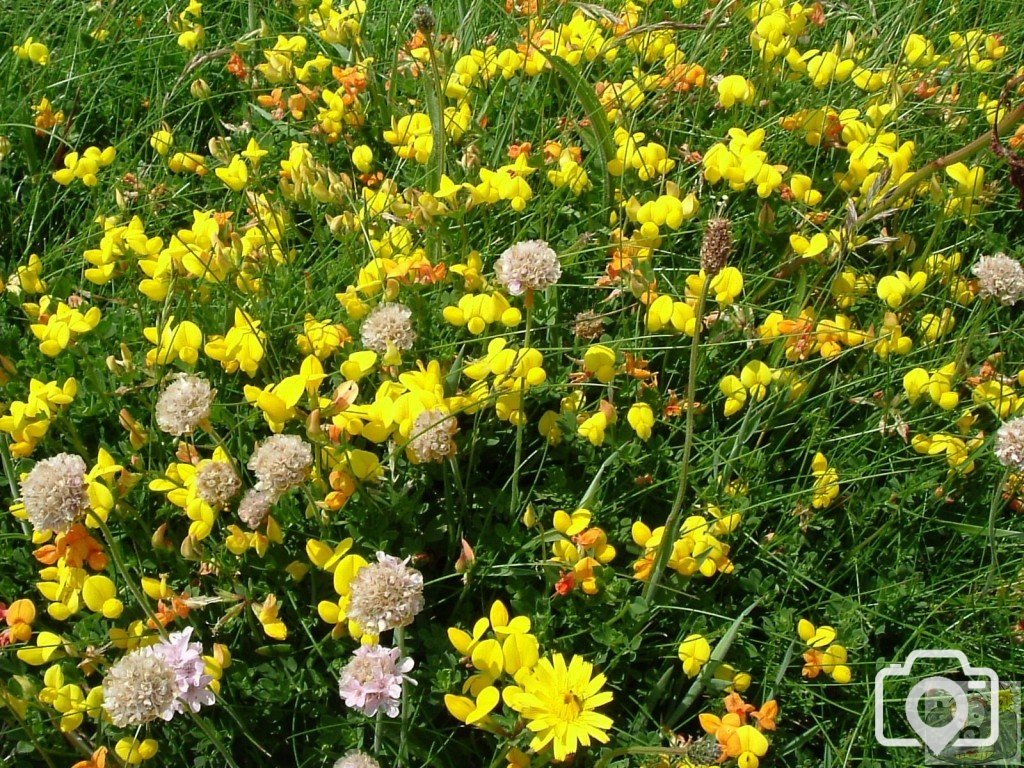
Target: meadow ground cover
609	384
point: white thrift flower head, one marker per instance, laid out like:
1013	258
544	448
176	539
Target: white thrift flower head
432	436
385	595
356	759
55	492
139	688
529	265
372	681
255	506
185	658
1010	444
388	328
1000	277
217	483
281	462
184	404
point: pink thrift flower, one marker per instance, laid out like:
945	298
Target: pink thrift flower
186	659
373	680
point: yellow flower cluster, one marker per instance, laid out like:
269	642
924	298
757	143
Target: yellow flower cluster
697	550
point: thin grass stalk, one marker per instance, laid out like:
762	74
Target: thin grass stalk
522	422
672	523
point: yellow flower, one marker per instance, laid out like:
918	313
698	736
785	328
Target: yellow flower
593	427
20	615
803	190
938	385
189	162
1002	399
343	566
958	452
266	613
67	698
477	311
28	278
891	340
47	648
34	51
747	745
235	176
897	289
27	421
162	141
278	401
725	287
61	328
134	750
919	51
181	341
362	158
599	362
735	89
84	166
934	327
512	651
752	383
641	419
559	700
242	347
412	137
100	596
582	548
254	153
826	482
694	652
965	199
475	711
665	312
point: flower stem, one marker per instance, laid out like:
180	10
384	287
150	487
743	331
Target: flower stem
115	554
119	566
956	156
672	524
522	418
400	640
998	502
6	459
378	728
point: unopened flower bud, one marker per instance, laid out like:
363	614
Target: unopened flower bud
200	89
467	558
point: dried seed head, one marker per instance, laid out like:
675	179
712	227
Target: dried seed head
424	20
717	246
1010	444
385	595
528	265
55	492
1000	277
356	760
705	751
217	483
140	688
281	462
388	324
432	436
254	507
184	404
589	325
